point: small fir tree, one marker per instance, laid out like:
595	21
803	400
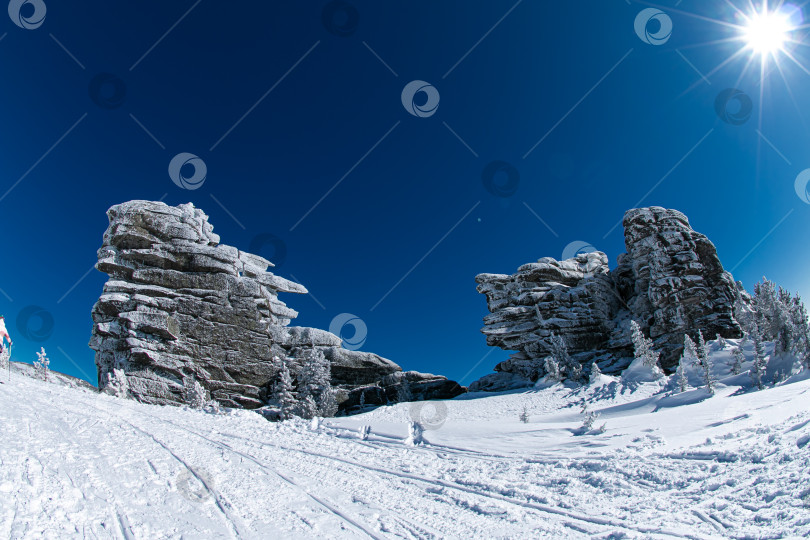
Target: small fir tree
737	359
643	349
524	416
41	364
283	391
705	363
760	360
596	373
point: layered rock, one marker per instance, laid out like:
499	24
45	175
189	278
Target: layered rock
670	281
679	285
403	386
180	305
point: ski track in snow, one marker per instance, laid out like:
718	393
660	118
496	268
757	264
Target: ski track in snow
75	464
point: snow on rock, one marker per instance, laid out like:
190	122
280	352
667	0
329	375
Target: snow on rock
179	305
670	281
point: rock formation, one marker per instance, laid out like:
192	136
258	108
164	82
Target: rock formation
179	305
670	281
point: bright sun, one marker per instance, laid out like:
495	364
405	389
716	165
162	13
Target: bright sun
767	32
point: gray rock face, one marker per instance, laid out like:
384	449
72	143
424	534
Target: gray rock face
403	386
679	285
179	304
670	281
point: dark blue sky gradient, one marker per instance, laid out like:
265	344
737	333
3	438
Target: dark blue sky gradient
418	183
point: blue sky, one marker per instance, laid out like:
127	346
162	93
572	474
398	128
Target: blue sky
591	119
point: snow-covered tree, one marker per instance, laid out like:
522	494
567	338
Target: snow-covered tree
283	391
596	373
721	342
194	394
315	391
780	318
117	384
738	357
705	363
524	416
41	364
552	369
760	360
643	348
569	367
690	353
801	332
588	420
680	373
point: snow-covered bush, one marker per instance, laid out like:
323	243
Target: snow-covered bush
41	364
194	394
524	416
117	384
415	434
721	342
552	370
588	420
705	363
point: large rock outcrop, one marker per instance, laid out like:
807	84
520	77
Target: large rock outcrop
670	281
179	305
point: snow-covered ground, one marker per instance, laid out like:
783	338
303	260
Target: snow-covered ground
74	463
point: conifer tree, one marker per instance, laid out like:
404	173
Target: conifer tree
705	362
643	349
738	357
283	391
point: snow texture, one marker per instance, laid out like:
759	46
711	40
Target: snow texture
77	463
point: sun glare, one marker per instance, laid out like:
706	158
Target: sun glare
767	32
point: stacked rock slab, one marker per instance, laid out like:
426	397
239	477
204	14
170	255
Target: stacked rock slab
679	285
670	281
179	305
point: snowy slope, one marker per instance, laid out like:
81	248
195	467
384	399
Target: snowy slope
78	464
